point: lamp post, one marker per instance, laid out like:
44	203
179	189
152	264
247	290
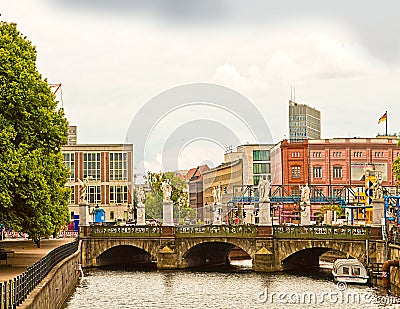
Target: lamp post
93	211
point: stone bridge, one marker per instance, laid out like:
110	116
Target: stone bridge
270	248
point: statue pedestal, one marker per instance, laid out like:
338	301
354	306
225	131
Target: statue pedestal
168	214
305	215
377	212
265	213
217	214
83	215
140	214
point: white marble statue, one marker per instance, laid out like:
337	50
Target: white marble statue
305	194
216	195
377	189
83	184
264	188
167	190
140	195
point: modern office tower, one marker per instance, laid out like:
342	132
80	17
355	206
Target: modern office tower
304	122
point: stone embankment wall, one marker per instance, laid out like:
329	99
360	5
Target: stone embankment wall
58	285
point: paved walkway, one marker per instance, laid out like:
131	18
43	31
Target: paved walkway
26	254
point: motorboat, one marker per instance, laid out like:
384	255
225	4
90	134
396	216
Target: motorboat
349	271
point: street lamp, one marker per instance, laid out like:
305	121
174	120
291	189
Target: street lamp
93	211
132	211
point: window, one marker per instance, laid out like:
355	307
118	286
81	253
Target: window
337	172
296	172
261	155
112	217
356	271
69	161
118	194
261	168
295	191
91	165
336	192
93	194
317	154
295	154
118	166
337	153
357	154
256	179
345	270
317	172
71	199
318	192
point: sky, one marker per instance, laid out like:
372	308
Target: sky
114	57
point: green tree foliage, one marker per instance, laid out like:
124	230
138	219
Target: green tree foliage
396	168
33	196
154	198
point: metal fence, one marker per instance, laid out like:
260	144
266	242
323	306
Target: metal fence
13	292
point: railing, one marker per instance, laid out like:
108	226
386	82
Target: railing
217	231
124	231
322	231
13	292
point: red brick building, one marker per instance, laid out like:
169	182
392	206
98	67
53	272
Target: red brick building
338	161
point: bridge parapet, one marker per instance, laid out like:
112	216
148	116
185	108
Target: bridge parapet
125	231
322	232
217	231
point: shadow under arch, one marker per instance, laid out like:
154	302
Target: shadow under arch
306	258
209	253
126	255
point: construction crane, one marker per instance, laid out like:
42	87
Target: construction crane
54	88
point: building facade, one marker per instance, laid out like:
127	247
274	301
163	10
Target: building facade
256	161
304	122
333	162
228	176
194	177
111	179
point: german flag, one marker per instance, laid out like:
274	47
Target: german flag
383	118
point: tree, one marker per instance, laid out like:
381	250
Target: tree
154	198
33	196
396	166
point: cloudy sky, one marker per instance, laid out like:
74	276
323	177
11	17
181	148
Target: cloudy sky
112	57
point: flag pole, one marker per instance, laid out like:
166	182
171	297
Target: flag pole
386	123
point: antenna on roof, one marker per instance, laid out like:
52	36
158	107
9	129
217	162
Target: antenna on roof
294	93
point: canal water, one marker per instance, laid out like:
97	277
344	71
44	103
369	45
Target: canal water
234	286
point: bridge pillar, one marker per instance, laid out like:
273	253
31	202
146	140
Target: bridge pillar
264	261
168	231
167	259
263	231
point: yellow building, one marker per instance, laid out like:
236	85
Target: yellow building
227	175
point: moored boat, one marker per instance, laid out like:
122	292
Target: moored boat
349	271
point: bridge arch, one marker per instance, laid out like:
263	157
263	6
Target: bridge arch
92	249
305	253
198	252
124	255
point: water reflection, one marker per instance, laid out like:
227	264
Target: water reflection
231	286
